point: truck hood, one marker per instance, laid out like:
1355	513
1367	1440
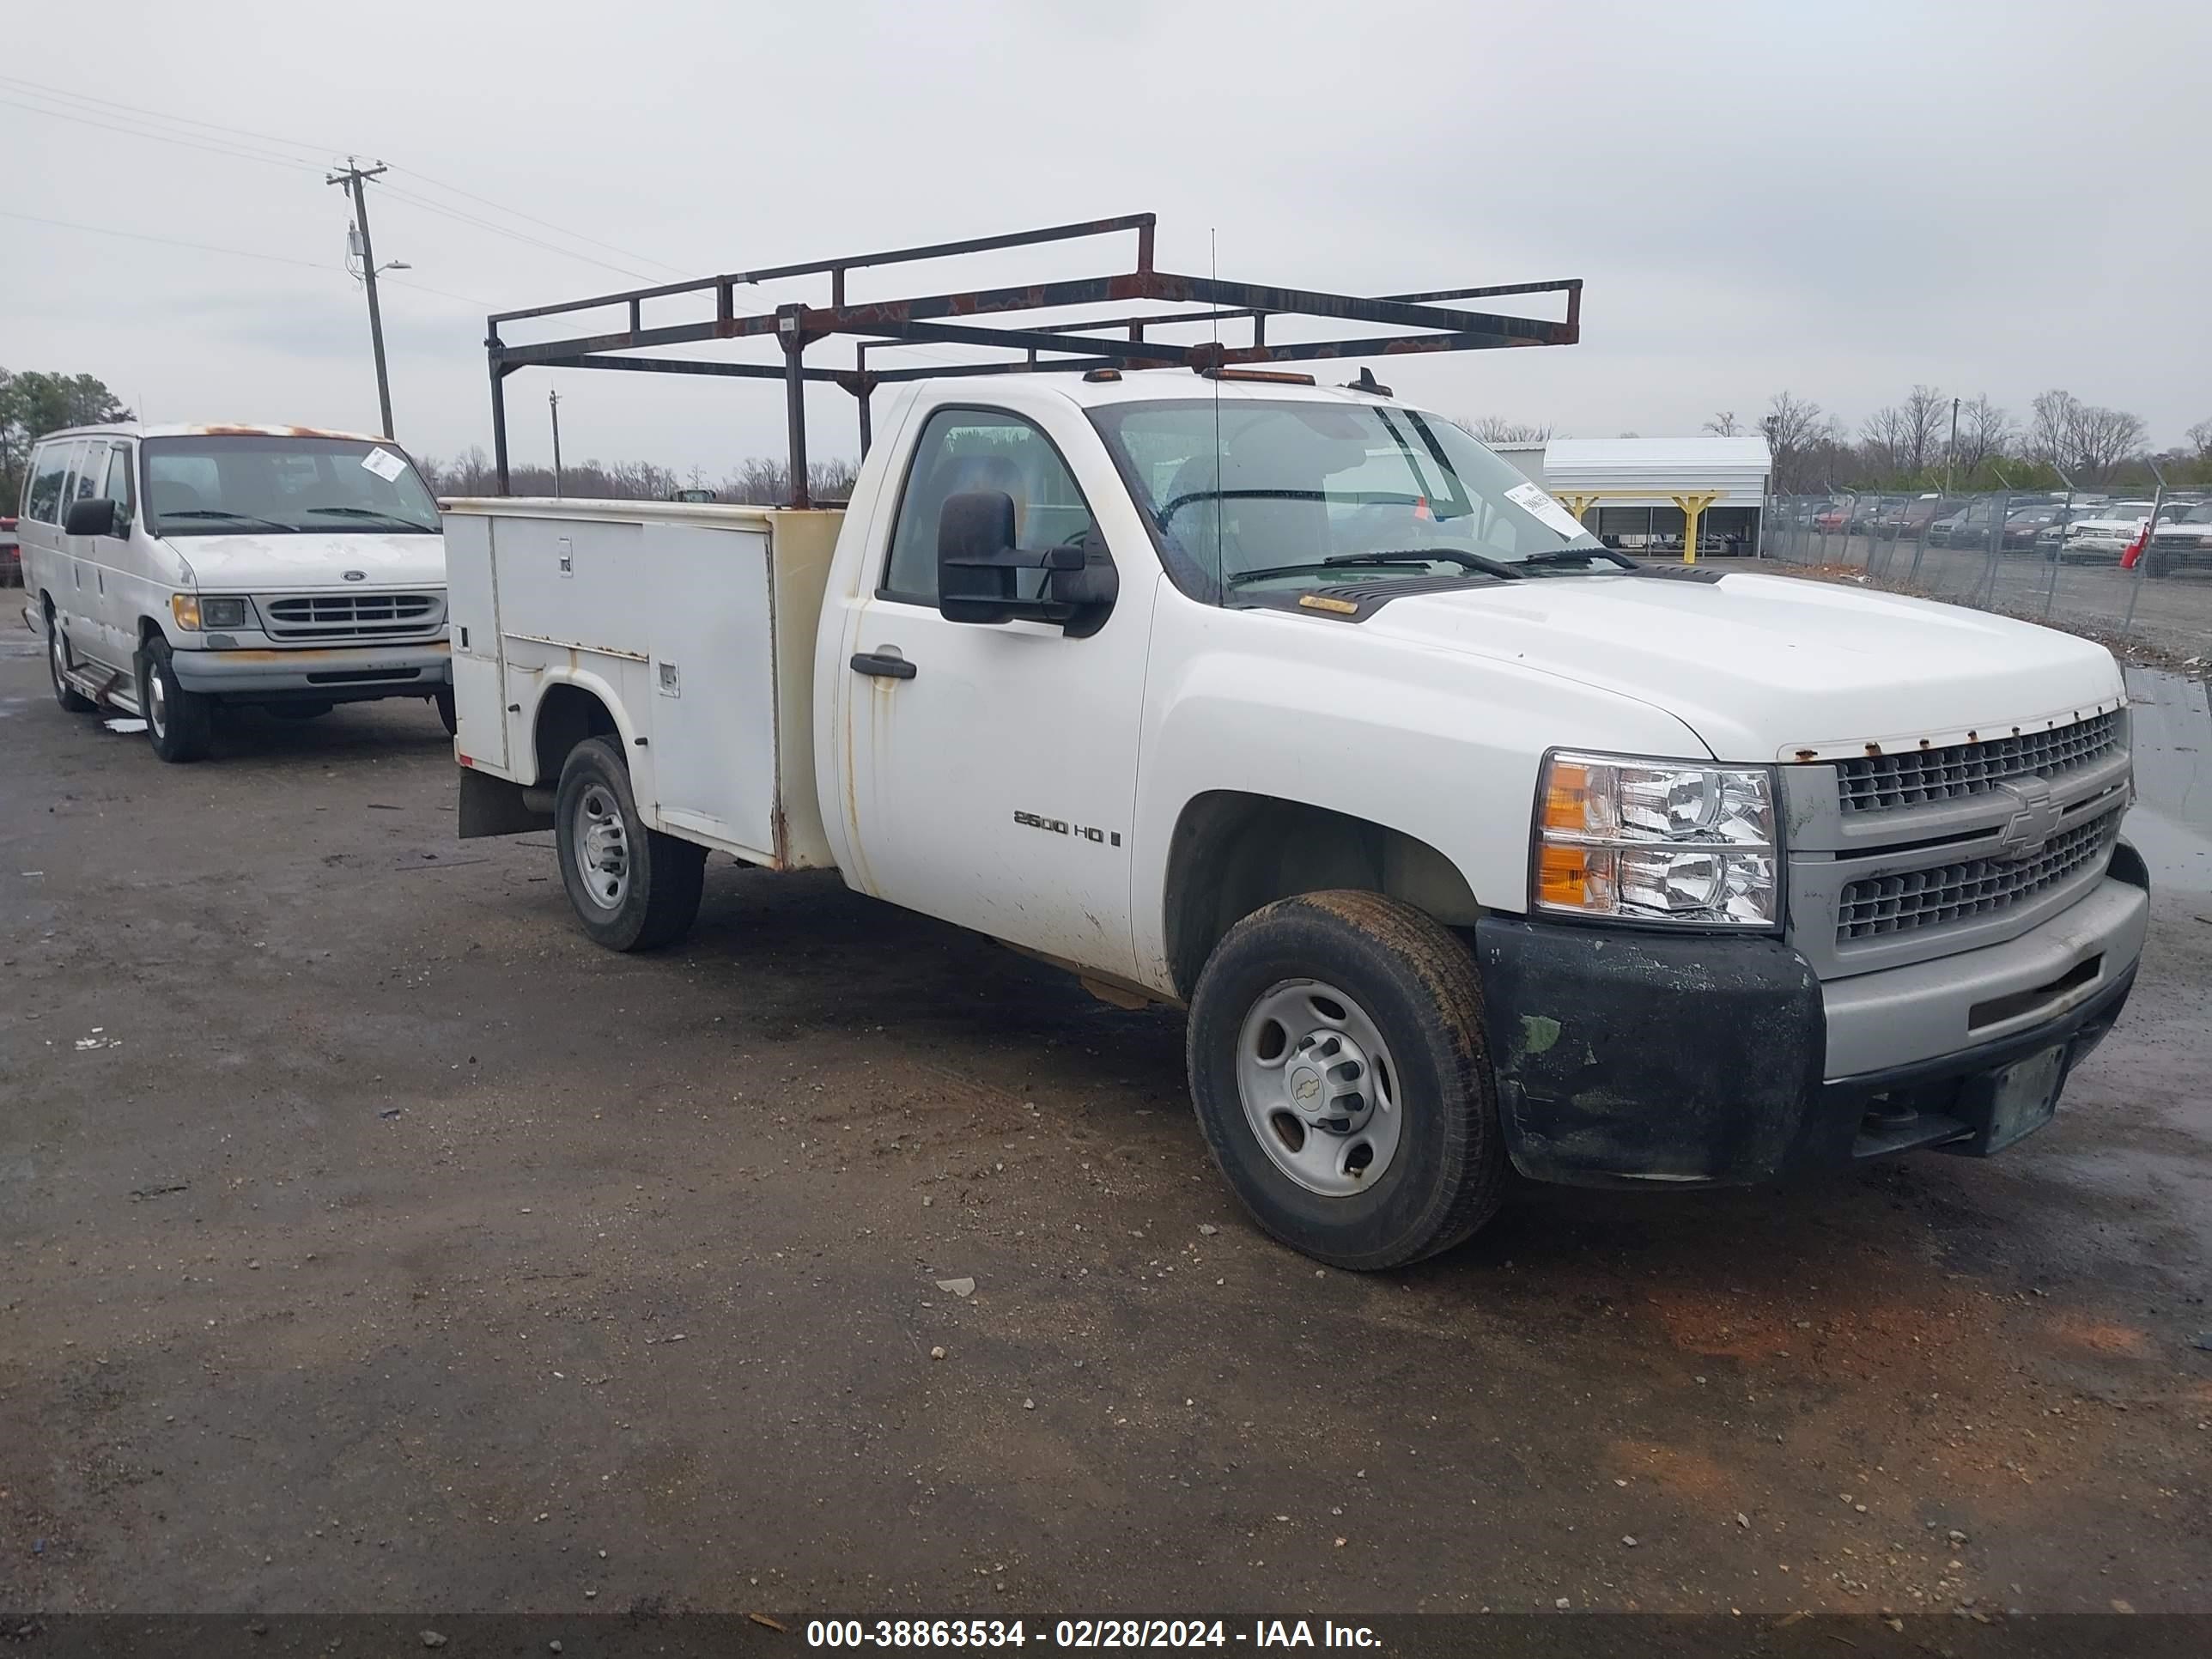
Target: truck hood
259	563
1767	668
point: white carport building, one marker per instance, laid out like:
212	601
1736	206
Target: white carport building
1643	494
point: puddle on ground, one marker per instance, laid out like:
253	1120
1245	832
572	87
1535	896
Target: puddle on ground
2170	721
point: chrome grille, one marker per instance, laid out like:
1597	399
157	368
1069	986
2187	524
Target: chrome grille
1876	782
351	615
1973	887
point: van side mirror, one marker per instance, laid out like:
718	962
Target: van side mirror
976	562
95	517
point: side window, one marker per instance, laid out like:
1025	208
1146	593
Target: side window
119	488
88	470
964	449
48	470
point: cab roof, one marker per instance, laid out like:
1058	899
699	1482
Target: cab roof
215	430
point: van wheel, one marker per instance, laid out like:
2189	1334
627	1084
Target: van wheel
2157	565
632	888
179	724
1338	1067
444	702
57	664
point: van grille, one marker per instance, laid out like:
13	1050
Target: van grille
352	616
1876	782
1973	887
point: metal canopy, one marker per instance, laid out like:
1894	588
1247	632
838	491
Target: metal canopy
1416	322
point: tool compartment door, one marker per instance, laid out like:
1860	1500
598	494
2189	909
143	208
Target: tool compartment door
713	702
472	625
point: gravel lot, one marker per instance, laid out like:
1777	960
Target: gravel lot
371	1240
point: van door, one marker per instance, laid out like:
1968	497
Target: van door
81	609
43	567
993	765
122	561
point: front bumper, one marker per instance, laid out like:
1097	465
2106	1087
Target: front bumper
345	673
1633	1057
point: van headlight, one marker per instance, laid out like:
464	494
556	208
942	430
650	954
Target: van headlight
1626	839
198	612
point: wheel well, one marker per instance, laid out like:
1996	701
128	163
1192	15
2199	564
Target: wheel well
1233	853
567	715
148	630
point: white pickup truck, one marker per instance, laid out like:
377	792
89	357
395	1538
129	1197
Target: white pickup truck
1468	845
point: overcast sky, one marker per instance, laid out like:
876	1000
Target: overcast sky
1838	199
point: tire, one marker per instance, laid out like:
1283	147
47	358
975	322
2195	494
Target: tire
57	658
653	898
1349	967
2157	566
179	724
444	702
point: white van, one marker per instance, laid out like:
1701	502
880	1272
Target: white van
174	567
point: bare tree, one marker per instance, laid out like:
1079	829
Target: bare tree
1985	433
1885	441
2200	440
1724	424
2050	426
1926	412
2102	439
1796	431
1497	429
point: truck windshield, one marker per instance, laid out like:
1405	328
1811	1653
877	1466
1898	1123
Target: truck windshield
232	484
1260	494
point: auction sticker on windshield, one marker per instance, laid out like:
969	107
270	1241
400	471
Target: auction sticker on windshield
383	463
1533	498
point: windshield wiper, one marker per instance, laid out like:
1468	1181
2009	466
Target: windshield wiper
217	512
1581	555
1488	567
371	513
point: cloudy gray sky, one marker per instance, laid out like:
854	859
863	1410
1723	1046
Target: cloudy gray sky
1838	199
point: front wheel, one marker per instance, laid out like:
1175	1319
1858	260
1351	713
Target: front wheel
179	724
57	667
632	888
1340	1078
443	699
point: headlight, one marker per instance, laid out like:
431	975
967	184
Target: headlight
1657	840
197	612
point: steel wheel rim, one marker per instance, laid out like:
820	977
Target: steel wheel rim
157	701
1319	1087
601	840
58	653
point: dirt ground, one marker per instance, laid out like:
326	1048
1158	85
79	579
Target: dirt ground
368	1240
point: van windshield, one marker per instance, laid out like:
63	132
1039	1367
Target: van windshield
1254	494
232	485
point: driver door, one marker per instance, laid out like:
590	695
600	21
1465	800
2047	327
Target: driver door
993	765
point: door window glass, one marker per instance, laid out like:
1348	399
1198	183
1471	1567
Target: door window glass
48	471
88	471
118	488
965	449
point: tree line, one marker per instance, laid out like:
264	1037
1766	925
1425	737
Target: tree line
32	404
757	480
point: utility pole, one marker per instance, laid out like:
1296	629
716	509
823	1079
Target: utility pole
553	403
354	178
1951	454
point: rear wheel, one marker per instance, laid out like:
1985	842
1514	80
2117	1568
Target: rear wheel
1340	1078
179	724
632	888
58	667
2156	564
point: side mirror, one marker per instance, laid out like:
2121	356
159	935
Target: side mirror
95	517
976	562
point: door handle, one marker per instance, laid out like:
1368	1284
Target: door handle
883	666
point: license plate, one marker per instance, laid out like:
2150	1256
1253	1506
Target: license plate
2025	1097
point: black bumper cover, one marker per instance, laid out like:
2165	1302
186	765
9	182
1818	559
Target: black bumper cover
1629	1058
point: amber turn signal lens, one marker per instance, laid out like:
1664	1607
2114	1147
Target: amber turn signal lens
1563	877
1566	796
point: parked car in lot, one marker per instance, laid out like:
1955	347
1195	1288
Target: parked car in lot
2026	524
1833	519
11	554
2180	543
2106	535
1909	521
1643	875
174	568
1870	511
2050	536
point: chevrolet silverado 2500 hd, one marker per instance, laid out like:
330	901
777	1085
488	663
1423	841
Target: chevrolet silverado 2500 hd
1467	844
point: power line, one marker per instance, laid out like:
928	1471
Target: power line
481	223
177	139
533	219
57	96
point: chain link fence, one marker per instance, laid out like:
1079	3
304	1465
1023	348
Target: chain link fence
2047	556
